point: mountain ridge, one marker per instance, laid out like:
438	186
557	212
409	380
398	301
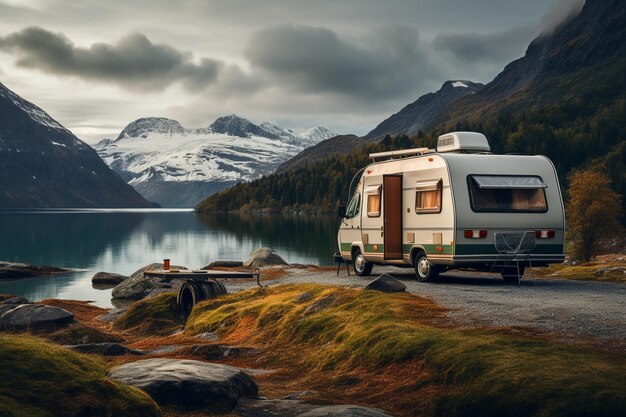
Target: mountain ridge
565	98
177	167
45	165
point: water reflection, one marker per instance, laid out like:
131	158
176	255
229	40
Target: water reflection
123	241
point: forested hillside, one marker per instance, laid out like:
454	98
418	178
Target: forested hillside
571	134
566	99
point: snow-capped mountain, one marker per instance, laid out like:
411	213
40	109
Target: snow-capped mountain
45	165
178	167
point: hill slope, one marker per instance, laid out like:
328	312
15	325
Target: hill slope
45	165
566	99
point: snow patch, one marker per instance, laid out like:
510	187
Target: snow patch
459	84
59	144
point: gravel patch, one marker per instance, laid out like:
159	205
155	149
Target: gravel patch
577	310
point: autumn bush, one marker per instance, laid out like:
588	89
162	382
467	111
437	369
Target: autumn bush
593	212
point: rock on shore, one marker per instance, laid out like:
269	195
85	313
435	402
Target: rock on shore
264	257
187	383
138	286
12	270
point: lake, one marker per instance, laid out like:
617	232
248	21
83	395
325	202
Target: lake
123	241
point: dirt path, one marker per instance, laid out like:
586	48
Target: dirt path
575	310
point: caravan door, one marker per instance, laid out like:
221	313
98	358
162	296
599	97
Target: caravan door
392	212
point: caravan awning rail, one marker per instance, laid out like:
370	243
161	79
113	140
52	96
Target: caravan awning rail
508	182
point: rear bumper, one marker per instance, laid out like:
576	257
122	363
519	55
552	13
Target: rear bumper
490	259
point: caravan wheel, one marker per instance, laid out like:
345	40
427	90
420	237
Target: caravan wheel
361	267
424	270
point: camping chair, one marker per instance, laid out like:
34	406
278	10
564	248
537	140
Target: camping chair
513	248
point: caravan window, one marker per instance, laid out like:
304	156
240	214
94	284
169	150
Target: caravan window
373	200
428	196
354	206
507	194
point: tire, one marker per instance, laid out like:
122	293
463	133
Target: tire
509	274
192	292
361	267
424	270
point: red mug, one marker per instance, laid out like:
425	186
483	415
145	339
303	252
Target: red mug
166	264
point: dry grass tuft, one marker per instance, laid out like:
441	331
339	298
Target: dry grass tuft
391	351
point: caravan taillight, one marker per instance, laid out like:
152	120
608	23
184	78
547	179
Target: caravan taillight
544	234
475	234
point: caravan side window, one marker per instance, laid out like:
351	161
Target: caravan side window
354	206
428	196
507	194
373	200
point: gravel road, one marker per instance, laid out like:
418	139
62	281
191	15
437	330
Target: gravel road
587	311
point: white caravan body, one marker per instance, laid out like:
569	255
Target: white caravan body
450	207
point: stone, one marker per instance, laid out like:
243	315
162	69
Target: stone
15	301
223	264
344	411
213	337
187	383
261	407
104	349
386	283
107	278
13	270
137	286
24	316
264	257
210	352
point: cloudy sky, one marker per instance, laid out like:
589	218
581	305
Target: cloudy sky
97	65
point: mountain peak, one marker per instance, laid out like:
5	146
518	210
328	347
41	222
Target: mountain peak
420	114
234	125
146	125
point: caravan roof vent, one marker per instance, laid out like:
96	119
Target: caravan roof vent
463	141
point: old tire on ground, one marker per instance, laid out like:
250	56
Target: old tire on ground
361	267
509	274
424	270
192	292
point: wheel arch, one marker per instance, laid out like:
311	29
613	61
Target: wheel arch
354	246
414	251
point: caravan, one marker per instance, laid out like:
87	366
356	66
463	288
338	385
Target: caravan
457	207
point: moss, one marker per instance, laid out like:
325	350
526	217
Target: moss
154	315
483	372
38	378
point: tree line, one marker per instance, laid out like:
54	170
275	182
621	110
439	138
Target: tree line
574	135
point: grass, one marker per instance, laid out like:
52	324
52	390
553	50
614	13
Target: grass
393	351
586	271
41	379
151	316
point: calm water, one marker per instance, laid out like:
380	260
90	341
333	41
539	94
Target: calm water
123	241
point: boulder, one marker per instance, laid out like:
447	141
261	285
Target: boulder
14	300
223	264
104	349
12	270
386	283
24	316
187	383
107	278
137	286
264	257
344	411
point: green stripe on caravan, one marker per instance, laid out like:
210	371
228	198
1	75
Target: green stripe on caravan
480	204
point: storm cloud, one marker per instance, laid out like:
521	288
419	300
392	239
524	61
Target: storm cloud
560	11
318	60
134	62
490	47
